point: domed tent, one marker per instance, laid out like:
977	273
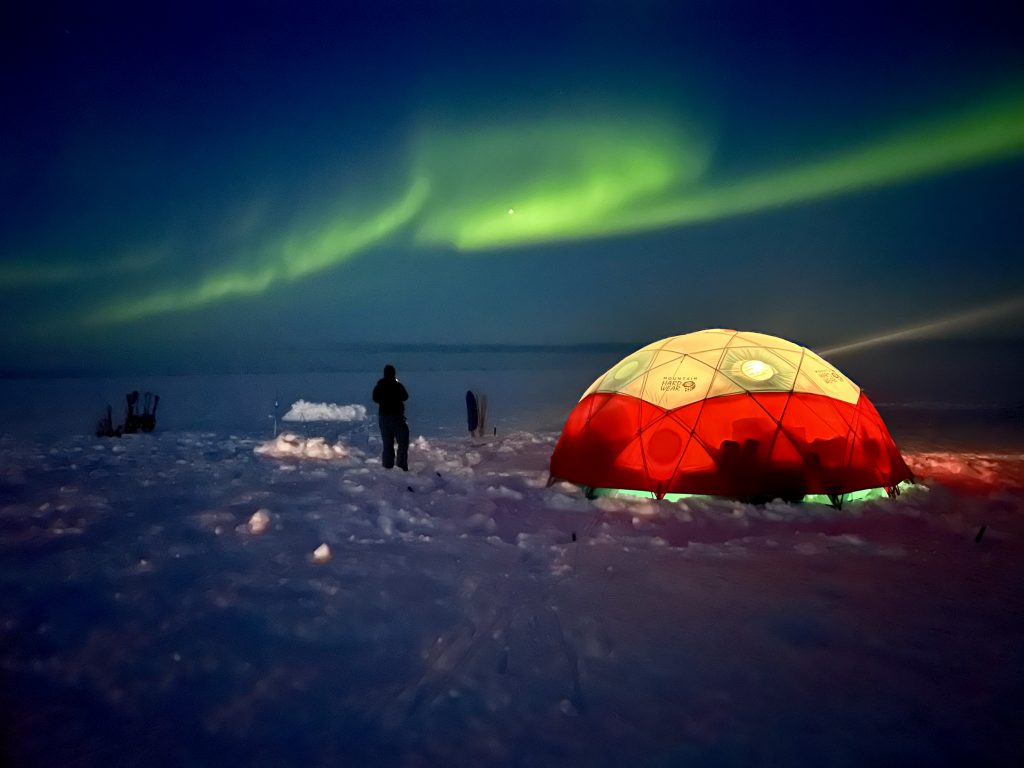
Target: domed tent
726	413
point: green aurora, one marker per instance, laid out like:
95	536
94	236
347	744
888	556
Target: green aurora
297	256
550	180
640	182
476	189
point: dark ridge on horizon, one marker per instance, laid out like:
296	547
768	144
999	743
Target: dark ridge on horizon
460	348
363	357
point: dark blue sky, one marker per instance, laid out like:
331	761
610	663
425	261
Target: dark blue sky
196	179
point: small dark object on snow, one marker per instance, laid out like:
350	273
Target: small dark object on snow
472	413
981	532
574	535
476	414
410	488
134	421
105	426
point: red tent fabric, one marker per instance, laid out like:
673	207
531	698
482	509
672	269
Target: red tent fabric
724	413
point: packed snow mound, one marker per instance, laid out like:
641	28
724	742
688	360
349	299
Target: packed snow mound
287	445
302	410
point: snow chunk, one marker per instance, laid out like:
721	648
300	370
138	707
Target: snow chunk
287	445
480	522
259	521
302	410
560	501
503	492
322	554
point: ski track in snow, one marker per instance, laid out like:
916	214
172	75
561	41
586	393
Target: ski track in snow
149	614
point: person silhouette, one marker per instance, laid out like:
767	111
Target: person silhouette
390	396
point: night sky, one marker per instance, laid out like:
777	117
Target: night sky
195	180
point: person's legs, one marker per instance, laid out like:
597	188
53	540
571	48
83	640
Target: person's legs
402	433
387	434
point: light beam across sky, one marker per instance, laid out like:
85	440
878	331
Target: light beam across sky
933	328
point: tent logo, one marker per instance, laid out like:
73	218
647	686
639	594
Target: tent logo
677	383
829	376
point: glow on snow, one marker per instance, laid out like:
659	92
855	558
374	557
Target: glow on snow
574	179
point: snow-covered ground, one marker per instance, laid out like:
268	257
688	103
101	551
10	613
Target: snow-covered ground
161	604
205	596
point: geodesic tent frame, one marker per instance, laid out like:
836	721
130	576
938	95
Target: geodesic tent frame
726	413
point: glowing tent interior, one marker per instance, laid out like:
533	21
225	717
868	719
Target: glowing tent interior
726	413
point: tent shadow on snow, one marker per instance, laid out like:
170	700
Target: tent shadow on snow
740	415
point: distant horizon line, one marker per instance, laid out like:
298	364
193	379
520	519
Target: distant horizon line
372	356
